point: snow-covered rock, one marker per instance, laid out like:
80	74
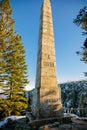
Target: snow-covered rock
2	123
71	115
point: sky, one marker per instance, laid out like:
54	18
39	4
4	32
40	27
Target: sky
68	37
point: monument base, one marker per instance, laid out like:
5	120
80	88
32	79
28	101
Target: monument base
35	124
47	103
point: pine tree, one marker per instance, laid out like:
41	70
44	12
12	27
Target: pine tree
13	69
81	20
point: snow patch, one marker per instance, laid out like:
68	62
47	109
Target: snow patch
2	123
72	115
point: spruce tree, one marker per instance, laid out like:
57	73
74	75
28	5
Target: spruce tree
13	69
81	20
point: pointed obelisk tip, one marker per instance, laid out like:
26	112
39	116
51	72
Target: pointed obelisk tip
46	1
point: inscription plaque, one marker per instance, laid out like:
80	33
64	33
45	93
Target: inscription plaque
51	100
50	64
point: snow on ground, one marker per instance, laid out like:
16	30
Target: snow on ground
75	116
69	114
2	123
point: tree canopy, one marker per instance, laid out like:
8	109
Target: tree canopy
13	68
81	20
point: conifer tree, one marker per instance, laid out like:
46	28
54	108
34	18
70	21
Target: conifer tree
13	69
81	20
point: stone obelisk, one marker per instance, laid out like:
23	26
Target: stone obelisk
47	94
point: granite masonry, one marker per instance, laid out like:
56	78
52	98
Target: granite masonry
46	101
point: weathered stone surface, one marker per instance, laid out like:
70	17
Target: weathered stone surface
50	126
47	95
46	127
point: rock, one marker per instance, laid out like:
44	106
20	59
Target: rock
49	126
55	124
45	127
66	127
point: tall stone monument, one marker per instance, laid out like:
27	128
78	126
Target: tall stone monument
47	95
